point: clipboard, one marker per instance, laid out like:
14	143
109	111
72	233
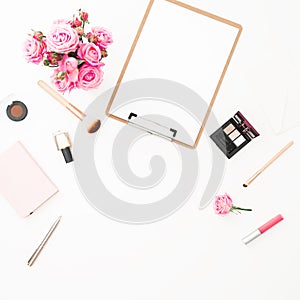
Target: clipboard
179	43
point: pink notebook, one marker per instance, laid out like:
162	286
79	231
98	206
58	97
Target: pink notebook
22	181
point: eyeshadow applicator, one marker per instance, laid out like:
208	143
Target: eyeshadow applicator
94	127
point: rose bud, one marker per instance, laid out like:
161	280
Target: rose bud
38	35
104	53
80	30
84	16
46	62
77	22
92	38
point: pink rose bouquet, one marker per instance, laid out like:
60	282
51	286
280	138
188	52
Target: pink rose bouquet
75	55
223	205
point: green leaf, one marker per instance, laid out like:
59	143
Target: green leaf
61	75
80	61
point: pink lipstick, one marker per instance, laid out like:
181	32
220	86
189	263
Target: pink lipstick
262	229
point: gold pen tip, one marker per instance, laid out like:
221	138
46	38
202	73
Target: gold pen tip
245	185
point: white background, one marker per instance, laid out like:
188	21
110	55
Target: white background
192	254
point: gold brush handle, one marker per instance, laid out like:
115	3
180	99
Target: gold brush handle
74	110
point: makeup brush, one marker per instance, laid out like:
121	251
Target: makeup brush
275	157
74	110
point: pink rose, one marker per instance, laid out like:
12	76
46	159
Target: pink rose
90	53
90	77
34	50
104	37
69	65
61	81
223	204
62	38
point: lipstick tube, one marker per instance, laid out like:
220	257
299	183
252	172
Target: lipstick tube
262	229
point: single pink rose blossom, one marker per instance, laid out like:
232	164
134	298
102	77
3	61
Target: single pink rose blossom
61	81
104	37
34	50
223	205
90	53
68	64
62	38
90	77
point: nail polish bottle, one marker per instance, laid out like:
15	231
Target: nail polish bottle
63	144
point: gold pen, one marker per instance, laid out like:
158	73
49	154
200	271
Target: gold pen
43	243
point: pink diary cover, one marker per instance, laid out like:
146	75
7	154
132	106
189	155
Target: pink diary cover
22	181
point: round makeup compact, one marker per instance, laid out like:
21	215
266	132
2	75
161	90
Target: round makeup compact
17	111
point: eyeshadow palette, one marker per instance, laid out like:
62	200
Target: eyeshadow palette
234	135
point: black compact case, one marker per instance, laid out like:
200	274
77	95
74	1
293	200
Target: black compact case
234	135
